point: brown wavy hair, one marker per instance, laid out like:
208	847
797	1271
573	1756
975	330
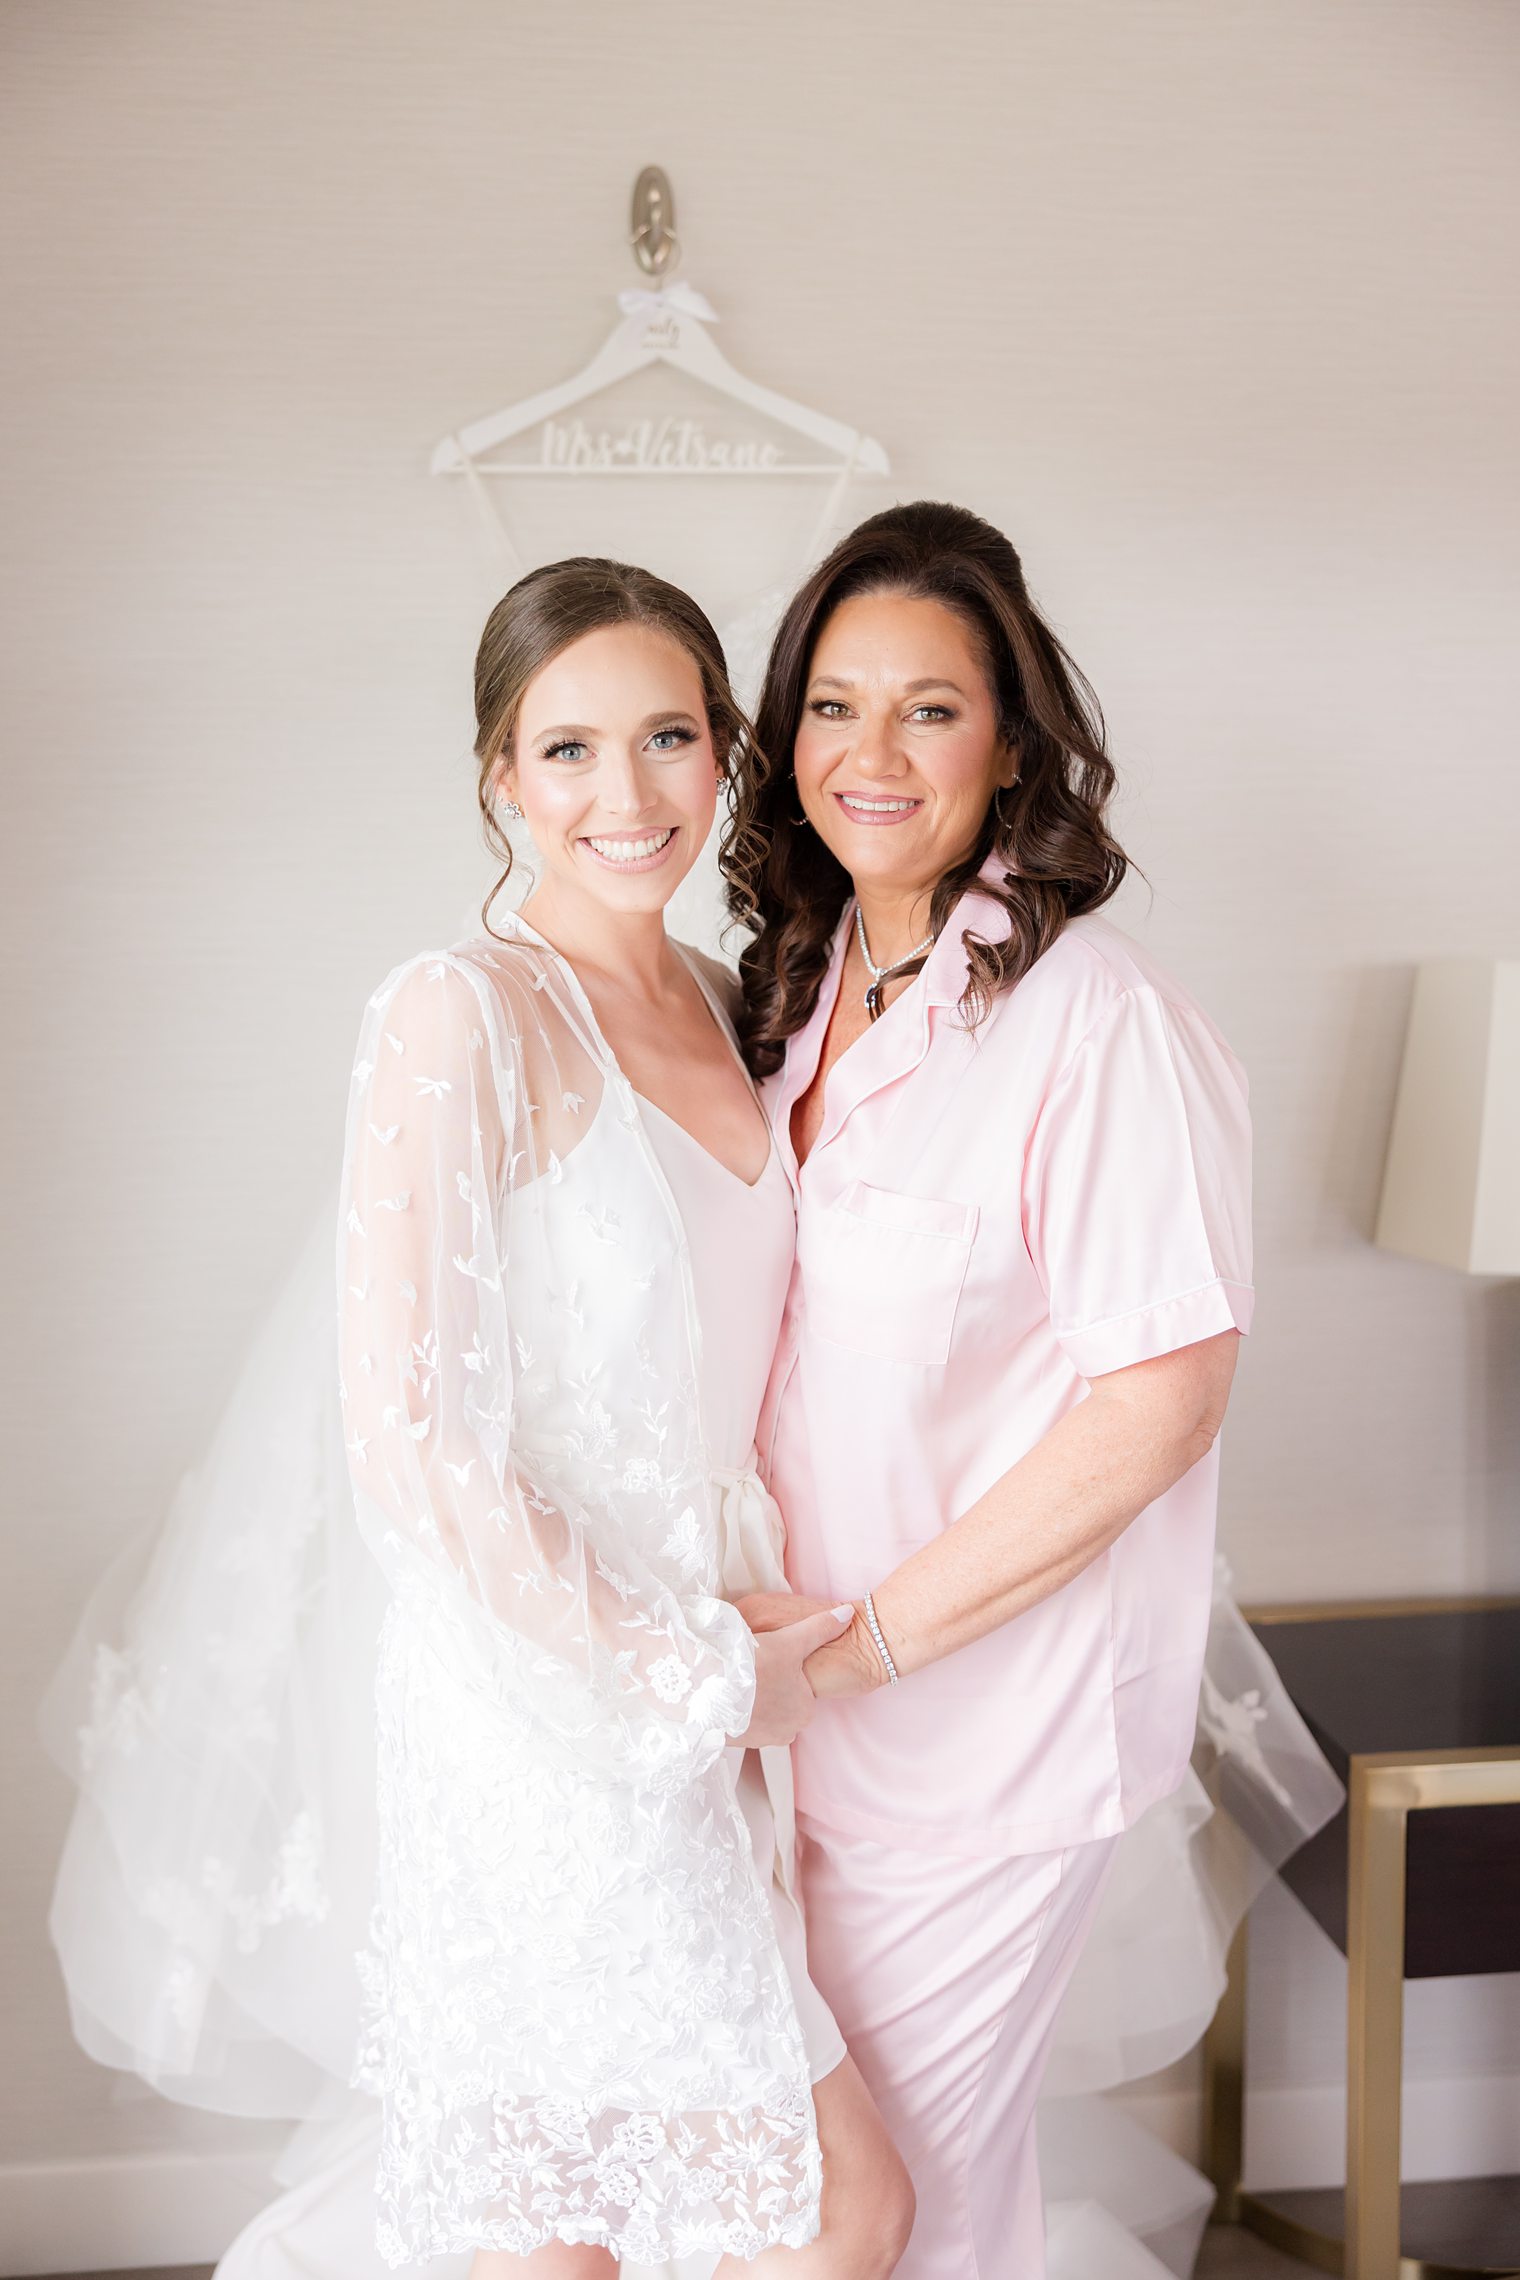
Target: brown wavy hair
541	615
1061	859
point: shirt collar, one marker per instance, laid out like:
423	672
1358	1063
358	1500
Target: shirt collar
804	1048
940	982
947	968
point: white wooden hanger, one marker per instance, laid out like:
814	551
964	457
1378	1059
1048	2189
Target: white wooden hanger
665	324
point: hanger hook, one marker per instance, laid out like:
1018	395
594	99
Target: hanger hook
656	248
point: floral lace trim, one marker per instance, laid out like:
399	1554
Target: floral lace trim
513	2174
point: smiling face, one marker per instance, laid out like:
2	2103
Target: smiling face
613	766
898	753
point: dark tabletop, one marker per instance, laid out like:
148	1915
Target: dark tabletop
1440	1681
1447	1679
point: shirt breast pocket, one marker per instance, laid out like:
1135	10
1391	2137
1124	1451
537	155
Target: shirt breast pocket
883	1272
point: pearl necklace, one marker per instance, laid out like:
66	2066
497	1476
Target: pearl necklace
880	975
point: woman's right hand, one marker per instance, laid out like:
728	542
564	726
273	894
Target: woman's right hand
784	1698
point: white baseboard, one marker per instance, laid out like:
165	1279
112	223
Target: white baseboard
125	2211
1467	2128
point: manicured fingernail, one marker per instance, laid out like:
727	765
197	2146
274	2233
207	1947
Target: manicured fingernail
844	1614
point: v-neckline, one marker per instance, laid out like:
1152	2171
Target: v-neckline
719	1021
749	1186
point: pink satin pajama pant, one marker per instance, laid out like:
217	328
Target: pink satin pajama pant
945	1974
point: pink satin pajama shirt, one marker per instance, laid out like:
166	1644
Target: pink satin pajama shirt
988	1218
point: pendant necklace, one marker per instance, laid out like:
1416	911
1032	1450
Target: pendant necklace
880	975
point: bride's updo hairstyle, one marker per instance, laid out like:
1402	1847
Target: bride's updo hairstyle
1060	858
543	614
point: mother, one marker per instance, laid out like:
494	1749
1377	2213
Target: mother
1021	1158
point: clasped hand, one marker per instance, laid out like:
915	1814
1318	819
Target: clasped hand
806	1652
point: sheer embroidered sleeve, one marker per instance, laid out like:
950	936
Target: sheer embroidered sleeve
631	1675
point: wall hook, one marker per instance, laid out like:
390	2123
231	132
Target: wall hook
656	248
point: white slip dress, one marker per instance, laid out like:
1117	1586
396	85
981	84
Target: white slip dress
741	1237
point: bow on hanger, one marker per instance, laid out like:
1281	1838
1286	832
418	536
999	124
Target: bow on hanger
678	299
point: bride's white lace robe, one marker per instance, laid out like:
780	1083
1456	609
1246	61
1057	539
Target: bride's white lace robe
576	2014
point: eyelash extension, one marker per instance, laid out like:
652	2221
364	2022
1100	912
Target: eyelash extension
676	728
564	744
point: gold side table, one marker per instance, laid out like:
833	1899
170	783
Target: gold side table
1418	1877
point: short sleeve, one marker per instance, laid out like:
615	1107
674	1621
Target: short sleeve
1137	1187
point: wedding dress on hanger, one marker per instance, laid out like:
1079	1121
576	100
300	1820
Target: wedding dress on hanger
215	1715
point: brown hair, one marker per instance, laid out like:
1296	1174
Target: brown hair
1049	829
540	616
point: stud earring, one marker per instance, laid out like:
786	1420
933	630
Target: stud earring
511	808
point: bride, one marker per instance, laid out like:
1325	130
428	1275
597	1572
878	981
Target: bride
564	1249
567	1217
564	1245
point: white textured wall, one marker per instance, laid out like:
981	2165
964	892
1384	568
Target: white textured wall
1210	305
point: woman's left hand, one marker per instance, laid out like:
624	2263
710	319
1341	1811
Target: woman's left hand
847	1665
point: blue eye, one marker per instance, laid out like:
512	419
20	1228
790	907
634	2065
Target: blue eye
676	736
570	749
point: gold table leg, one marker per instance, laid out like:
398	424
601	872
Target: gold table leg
1379	1816
1224	2087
